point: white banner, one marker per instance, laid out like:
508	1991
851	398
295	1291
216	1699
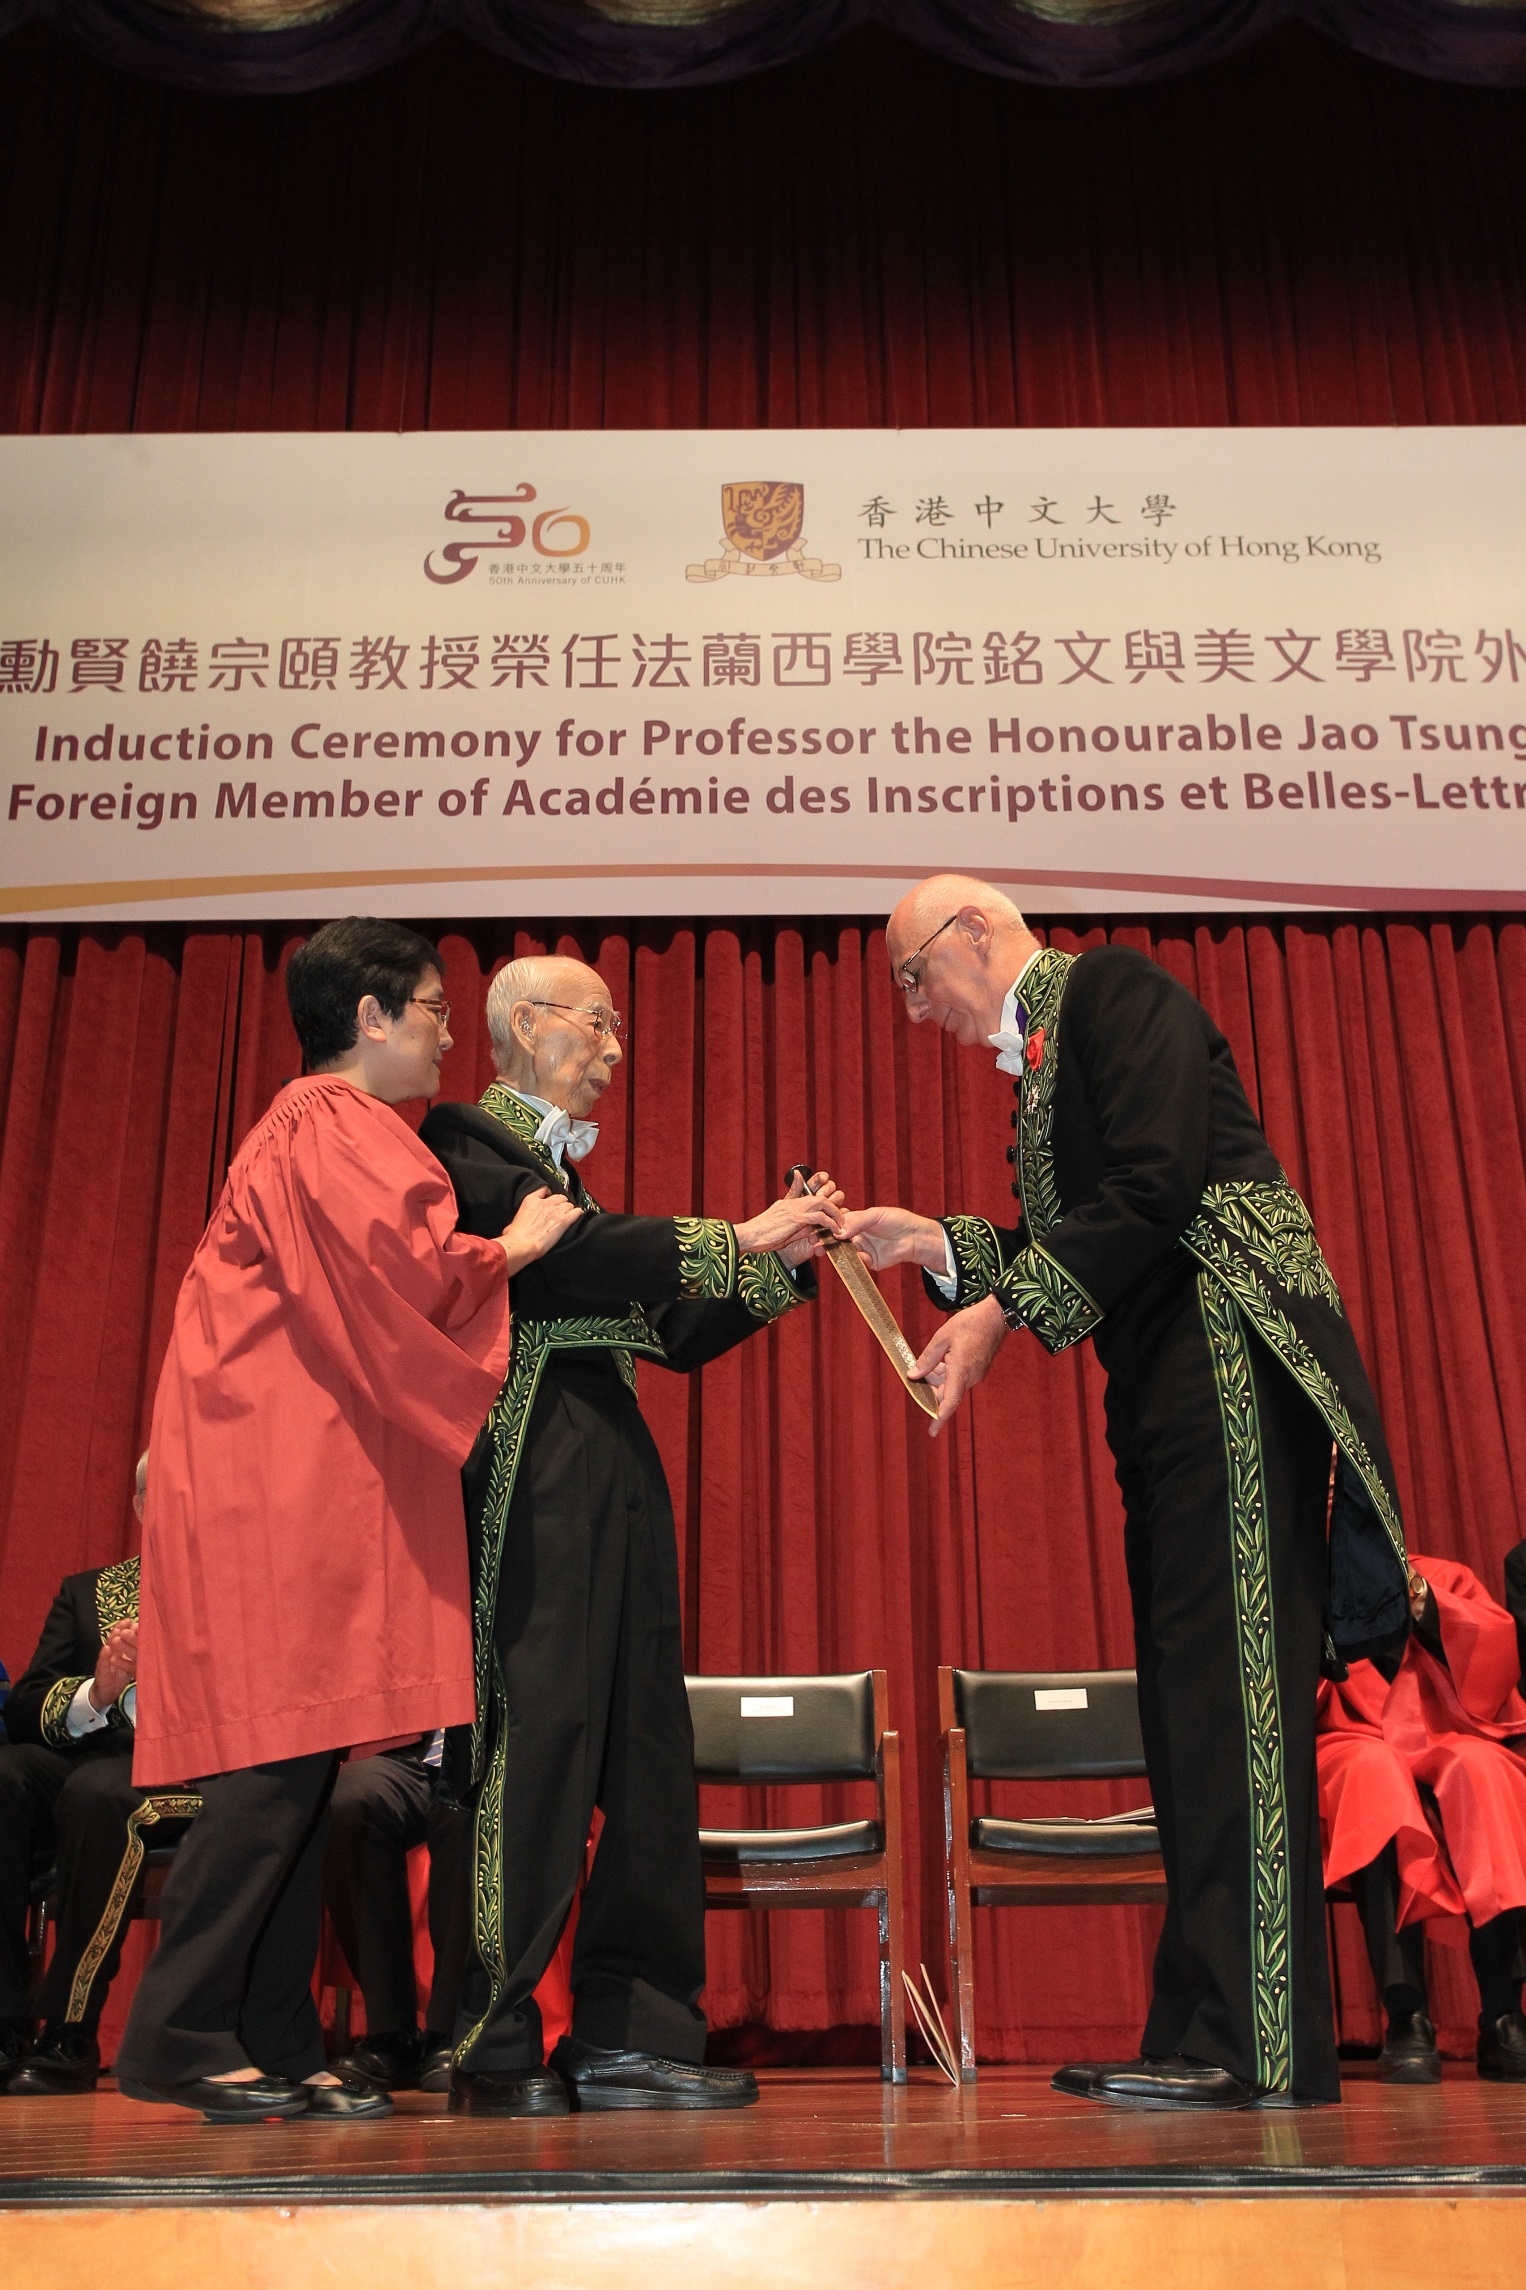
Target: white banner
710	672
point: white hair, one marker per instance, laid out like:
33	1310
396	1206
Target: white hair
530	979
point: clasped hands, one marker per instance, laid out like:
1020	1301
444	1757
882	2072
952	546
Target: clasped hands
116	1665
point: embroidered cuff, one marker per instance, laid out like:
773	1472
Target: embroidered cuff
1056	1307
53	1723
765	1286
707	1259
977	1263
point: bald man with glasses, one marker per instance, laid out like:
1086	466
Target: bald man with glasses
1155	1221
580	1685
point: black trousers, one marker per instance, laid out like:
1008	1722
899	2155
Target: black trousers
230	1983
71	1810
381	1809
590	1709
1224	1467
1398	1958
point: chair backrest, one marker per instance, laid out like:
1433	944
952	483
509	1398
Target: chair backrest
1048	1725
784	1729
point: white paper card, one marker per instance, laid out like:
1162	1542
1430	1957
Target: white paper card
768	1705
1056	1698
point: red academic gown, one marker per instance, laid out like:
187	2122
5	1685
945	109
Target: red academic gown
1444	1725
337	1345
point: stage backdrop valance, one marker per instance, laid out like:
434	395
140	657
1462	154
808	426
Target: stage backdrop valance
732	671
286	46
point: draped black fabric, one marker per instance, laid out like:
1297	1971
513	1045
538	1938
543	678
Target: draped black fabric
288	46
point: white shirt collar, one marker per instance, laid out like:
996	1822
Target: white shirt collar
1009	1037
559	1132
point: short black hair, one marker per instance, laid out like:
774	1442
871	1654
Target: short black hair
329	978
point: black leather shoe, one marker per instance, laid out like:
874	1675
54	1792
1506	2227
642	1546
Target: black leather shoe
435	2060
1409	2053
65	2062
596	2078
352	2099
1077	2079
257	2101
1502	2049
1169	2083
13	2050
521	2091
387	2062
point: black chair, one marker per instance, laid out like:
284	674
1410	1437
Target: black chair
801	1730
1037	1725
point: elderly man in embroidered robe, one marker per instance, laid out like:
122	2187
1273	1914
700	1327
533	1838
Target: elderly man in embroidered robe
580	1689
1156	1221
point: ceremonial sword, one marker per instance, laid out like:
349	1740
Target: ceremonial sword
855	1276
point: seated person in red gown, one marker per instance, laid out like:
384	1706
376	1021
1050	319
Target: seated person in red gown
337	1344
1422	1804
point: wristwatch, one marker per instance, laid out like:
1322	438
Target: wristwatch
1012	1313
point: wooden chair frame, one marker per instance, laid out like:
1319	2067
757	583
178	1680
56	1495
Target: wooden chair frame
858	1880
981	1879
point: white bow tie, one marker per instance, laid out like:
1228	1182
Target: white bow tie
569	1139
1009	1051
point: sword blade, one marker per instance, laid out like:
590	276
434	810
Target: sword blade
856	1277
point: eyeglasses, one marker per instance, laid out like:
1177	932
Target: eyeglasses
439	1011
602	1021
909	980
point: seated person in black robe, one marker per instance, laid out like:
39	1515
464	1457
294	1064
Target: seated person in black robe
580	1673
381	1809
67	1802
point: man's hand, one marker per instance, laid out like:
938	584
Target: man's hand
896	1236
960	1354
797	1224
116	1667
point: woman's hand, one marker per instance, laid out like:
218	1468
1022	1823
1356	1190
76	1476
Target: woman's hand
797	1225
540	1220
884	1237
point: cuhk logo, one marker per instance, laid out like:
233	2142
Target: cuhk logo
763	521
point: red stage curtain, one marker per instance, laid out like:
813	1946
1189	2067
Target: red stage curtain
819	1526
871	236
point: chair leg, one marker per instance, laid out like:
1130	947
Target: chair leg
961	1974
956	1871
37	1951
892	1917
892	1985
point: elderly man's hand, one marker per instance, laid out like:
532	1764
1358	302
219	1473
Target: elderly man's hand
811	1243
960	1354
116	1666
798	1224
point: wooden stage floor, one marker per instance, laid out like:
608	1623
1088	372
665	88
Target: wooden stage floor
835	2179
